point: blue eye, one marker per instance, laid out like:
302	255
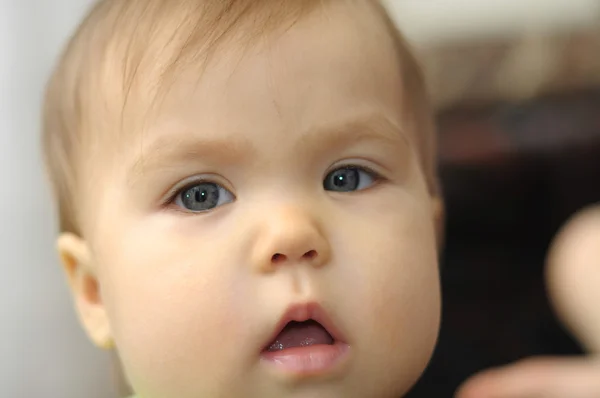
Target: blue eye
203	197
349	179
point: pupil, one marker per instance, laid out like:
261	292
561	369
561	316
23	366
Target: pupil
343	180
340	180
201	196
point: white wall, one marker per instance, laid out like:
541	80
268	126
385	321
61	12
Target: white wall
43	352
438	20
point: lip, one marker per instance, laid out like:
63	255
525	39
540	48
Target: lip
312	360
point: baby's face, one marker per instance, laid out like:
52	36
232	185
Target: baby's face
278	188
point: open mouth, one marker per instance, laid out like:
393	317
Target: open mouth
301	334
305	342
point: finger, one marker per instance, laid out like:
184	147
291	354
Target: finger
537	378
573	277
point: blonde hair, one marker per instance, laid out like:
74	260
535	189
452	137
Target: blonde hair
121	42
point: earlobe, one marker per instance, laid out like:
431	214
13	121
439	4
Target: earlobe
77	262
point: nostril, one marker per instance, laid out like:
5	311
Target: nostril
278	257
310	254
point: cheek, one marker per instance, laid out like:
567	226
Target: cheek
389	253
391	268
399	279
174	307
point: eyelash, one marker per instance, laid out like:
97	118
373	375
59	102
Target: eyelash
174	193
376	175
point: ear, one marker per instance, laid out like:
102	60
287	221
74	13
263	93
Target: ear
78	265
439	218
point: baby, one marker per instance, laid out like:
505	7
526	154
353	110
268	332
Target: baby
247	196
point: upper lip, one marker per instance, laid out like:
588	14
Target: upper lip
304	312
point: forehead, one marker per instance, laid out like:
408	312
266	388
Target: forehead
336	59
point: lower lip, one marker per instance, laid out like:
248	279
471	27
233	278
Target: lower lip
306	361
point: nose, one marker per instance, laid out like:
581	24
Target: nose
289	236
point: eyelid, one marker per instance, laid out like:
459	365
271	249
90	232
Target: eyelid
190	182
378	176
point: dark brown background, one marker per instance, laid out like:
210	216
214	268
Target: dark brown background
512	172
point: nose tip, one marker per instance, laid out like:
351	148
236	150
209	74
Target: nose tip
289	237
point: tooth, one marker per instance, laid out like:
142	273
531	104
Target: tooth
277	346
307	342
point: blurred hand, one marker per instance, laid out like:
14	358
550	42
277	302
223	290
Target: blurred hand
573	279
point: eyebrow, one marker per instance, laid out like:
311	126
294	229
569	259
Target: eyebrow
168	151
373	126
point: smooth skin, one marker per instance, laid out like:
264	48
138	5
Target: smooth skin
191	298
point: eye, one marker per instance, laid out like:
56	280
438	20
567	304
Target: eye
203	197
349	179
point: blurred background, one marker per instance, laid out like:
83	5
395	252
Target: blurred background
516	86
